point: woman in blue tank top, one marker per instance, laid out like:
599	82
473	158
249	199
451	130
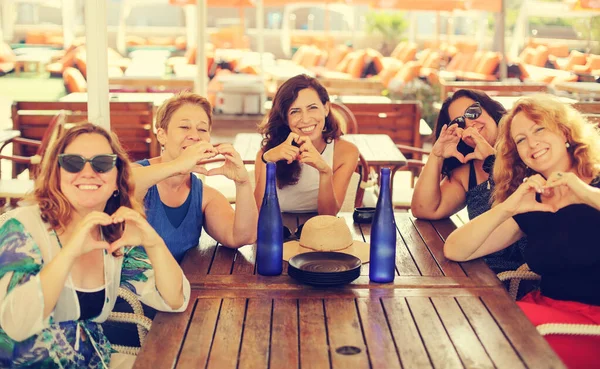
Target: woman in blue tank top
177	203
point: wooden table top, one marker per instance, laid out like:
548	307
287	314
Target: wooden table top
579	87
436	313
377	149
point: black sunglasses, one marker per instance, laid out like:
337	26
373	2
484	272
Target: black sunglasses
289	235
74	163
472	112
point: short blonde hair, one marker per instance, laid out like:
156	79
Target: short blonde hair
171	105
548	111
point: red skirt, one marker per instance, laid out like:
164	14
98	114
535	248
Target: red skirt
574	350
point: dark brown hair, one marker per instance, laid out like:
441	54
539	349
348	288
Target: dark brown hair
276	129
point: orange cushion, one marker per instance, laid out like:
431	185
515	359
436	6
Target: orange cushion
471	65
357	64
575	58
488	63
81	63
74	80
540	56
6	53
399	49
408	53
408	72
343	65
133	40
299	54
336	55
388	73
432	61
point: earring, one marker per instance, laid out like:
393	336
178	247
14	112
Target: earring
567	144
116	193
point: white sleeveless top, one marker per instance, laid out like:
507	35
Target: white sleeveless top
303	196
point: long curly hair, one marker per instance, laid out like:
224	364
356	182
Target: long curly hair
56	209
491	106
275	129
548	111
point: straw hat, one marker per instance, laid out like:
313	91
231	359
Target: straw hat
326	233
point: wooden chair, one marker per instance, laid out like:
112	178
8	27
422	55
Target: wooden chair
524	273
14	188
349	125
131	122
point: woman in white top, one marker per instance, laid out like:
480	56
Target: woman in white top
63	259
302	136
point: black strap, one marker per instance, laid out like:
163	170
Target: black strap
472	176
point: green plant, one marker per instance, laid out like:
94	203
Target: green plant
589	29
390	25
418	90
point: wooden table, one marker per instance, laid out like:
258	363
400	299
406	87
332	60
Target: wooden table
509	101
378	150
502	87
156	98
144	83
582	88
436	313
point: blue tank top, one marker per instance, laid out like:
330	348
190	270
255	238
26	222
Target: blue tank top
187	234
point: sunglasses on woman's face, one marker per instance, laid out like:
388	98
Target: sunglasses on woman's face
74	163
473	112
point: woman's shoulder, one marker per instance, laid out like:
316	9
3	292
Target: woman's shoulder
22	214
344	147
461	174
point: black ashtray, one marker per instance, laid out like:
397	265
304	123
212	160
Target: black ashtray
363	215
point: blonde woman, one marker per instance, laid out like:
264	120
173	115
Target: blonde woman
548	188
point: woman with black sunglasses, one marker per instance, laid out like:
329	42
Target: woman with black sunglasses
457	173
64	257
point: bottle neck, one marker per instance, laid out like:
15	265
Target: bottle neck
271	181
384	185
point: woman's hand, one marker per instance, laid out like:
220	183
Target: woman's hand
233	168
83	239
523	199
570	188
137	230
284	151
447	144
191	158
310	156
482	149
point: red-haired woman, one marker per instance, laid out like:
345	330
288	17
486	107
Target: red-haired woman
63	259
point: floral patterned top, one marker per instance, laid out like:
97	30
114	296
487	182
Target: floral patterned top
61	340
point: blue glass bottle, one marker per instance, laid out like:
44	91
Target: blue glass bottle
269	236
382	261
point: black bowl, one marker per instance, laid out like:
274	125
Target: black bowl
363	215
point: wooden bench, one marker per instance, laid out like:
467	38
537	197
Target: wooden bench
130	121
499	88
591	110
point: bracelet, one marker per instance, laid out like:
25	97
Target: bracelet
263	158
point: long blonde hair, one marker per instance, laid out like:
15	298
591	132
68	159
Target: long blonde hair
55	207
548	111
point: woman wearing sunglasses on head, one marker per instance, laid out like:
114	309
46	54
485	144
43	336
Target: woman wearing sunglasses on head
177	202
458	170
547	175
63	259
302	136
